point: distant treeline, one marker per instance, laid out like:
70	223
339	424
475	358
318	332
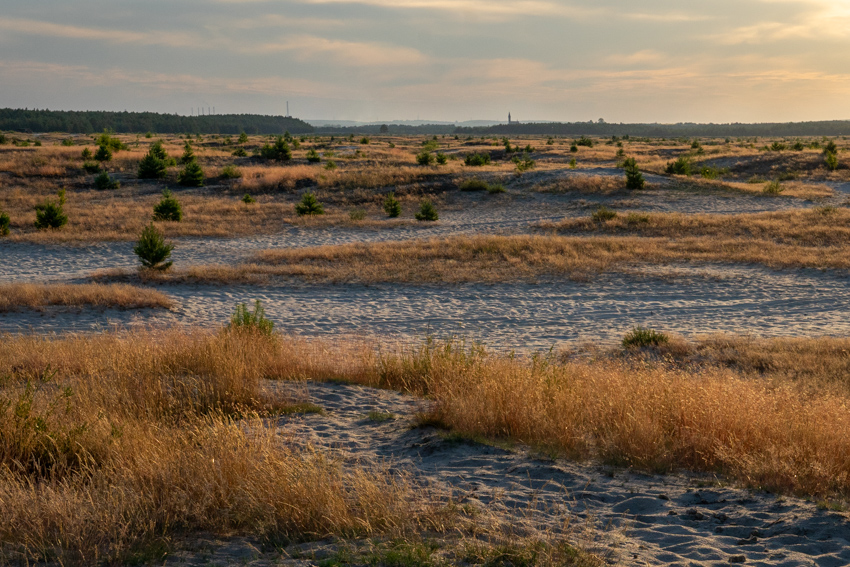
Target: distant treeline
575	129
87	122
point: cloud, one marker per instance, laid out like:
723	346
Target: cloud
359	54
36	27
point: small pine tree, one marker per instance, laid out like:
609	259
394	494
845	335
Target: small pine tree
188	155
244	320
152	249
192	175
280	151
309	205
5	222
831	161
87	155
243	138
248	199
103	153
634	178
168	208
425	158
103	181
442	158
50	214
427	212
391	206
313	156
158	151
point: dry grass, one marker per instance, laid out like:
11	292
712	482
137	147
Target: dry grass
111	443
119	296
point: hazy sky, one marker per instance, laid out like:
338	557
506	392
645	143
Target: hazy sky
629	61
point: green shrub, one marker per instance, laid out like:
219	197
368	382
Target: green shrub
523	163
103	181
3	139
68	142
330	165
424	158
477	160
442	158
427	212
584	141
357	214
682	166
309	205
157	150
831	161
710	172
640	337
550	141
244	320
798	146
634	178
474	185
280	151
151	167
603	214
188	155
637	218
313	156
192	175
240	152
777	147
230	172
5	222
243	138
148	135
103	153
91	166
248	199
50	214
773	188
573	148
86	154
168	208
573	163
152	249
364	140
695	145
830	148
110	142
391	206
494	188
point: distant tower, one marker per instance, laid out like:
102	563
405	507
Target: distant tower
509	117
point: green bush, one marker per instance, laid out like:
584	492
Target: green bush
523	163
391	206
152	249
240	152
168	208
188	155
831	161
640	337
230	172
313	156
3	139
91	166
494	188
330	165
634	178
244	320
157	150
573	148
477	160
86	154
773	188
830	148
110	142
777	147
103	181
682	166
573	163
798	146
68	142
103	153
584	141
427	212
248	199
474	185
442	158
603	214
243	138
309	205
192	175
5	222
280	151
710	172
424	158
50	214
364	140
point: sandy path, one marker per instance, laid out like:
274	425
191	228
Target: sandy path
687	300
656	520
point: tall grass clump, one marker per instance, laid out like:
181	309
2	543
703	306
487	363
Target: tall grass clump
152	249
634	178
640	337
51	214
773	188
168	208
251	321
603	214
230	172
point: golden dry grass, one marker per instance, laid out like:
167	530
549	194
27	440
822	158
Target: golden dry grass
109	443
118	296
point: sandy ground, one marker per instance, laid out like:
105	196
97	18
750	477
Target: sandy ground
675	520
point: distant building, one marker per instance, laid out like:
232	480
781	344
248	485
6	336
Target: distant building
511	121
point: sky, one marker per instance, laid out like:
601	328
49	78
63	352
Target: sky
448	60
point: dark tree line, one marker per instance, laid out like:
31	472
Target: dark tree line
87	122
